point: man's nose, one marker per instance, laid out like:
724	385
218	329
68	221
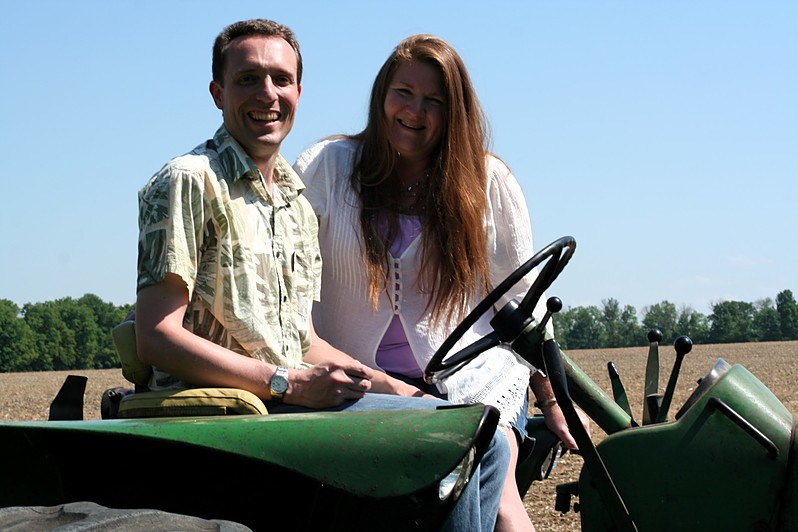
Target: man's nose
268	89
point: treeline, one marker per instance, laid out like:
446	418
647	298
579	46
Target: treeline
68	334
65	334
612	325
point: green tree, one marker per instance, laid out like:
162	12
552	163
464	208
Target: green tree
81	322
633	333
55	342
732	321
106	316
662	316
693	324
787	309
767	326
620	325
74	334
579	328
17	342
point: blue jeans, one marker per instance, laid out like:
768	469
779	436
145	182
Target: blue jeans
518	424
479	503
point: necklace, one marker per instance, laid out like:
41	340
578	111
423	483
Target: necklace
412	189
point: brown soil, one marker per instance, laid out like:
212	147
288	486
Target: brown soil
27	396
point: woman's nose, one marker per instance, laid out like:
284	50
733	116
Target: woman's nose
416	106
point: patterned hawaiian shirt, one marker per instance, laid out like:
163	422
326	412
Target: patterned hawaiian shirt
251	261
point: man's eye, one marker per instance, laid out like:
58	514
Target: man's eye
246	80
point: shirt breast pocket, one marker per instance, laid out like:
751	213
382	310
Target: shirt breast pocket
305	275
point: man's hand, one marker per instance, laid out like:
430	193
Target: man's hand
328	384
321	353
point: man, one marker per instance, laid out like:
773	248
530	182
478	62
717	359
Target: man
229	263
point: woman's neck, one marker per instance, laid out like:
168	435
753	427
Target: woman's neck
410	174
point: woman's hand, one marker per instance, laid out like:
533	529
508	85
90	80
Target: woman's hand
384	383
555	421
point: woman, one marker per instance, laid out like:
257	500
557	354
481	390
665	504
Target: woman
418	221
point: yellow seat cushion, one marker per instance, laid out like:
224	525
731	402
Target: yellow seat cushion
190	403
173	403
133	369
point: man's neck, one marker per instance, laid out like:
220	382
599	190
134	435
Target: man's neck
267	169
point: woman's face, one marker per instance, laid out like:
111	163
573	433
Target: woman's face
414	110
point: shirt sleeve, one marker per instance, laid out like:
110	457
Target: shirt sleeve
171	214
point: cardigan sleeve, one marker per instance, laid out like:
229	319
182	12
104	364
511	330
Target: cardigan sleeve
311	168
323	167
509	233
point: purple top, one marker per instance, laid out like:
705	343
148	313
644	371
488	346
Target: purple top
394	354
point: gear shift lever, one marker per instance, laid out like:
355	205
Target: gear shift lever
683	345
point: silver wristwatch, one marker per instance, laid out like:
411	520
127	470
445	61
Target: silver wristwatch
278	384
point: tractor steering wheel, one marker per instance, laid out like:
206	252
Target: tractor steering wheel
511	319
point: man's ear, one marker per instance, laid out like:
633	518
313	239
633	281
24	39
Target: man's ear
216	93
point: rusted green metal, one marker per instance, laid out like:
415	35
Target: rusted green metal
379	454
703	471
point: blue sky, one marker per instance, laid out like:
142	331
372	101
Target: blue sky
662	135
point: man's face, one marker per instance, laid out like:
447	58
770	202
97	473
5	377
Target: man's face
259	93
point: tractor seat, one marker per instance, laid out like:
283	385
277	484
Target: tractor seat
139	402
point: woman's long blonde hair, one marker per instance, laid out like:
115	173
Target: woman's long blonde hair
454	262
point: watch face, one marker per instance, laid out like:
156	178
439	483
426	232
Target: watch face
279	381
279	384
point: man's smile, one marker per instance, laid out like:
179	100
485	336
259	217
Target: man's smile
264	116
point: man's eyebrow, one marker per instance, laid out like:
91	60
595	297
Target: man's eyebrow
246	69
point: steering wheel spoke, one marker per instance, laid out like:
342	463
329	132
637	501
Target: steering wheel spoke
465	355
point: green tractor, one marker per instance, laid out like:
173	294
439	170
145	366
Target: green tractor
216	455
726	461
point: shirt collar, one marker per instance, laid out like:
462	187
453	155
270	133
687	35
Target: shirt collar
236	164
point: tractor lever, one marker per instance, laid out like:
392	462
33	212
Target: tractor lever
651	397
553	305
68	403
613	502
564	493
682	345
653	407
619	392
525	342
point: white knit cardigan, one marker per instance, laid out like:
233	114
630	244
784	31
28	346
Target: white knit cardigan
344	316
